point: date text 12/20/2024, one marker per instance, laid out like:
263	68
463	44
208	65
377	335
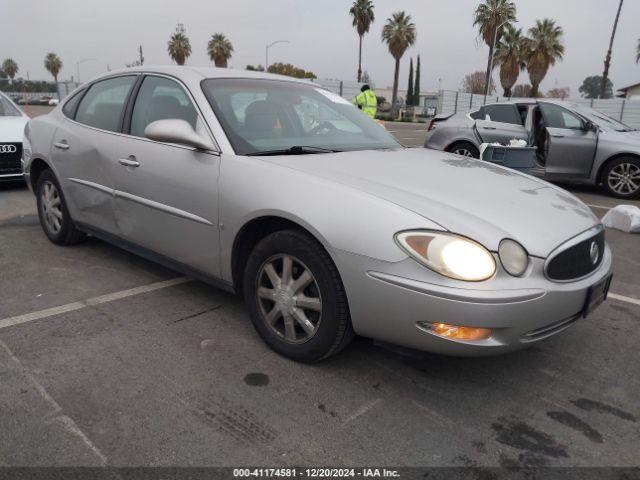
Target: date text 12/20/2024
315	473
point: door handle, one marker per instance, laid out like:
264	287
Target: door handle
63	145
557	136
129	162
488	128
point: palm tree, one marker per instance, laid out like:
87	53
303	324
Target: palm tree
179	47
490	17
363	17
53	64
509	55
542	49
399	33
607	60
10	68
219	49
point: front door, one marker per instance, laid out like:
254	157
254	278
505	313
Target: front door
570	145
83	147
167	194
500	123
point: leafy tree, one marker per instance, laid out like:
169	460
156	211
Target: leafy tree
399	33
490	17
22	85
522	91
509	55
290	71
363	17
561	93
475	83
607	60
53	64
220	50
416	88
10	68
253	68
592	88
543	48
179	47
409	100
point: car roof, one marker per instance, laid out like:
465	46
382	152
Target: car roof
196	74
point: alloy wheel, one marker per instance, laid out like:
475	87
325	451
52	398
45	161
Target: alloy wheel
52	207
624	178
289	298
463	151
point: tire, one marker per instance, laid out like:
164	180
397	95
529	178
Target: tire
54	215
321	301
621	178
465	149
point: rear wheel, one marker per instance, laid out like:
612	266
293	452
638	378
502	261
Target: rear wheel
621	177
296	298
52	210
465	149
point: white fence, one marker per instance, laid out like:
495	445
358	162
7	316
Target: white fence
626	111
347	90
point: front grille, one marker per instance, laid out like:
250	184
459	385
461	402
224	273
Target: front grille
576	260
9	160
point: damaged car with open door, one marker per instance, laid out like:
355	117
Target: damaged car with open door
572	142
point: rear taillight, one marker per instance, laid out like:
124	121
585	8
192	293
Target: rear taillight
432	126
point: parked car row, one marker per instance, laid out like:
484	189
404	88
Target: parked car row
574	143
12	123
285	193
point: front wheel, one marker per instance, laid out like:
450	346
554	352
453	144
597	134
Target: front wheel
296	298
621	178
52	210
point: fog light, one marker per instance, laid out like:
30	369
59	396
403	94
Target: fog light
454	332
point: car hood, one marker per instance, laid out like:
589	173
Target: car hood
470	197
12	129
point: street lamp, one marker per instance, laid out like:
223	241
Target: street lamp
493	52
78	65
266	63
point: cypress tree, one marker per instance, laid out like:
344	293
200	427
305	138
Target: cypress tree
416	89
409	99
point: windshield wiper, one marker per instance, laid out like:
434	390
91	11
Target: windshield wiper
295	150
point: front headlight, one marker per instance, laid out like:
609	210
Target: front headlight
449	255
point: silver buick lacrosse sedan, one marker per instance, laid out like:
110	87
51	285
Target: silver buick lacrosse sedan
285	193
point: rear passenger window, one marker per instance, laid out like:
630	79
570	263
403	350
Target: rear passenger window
102	106
160	98
503	114
69	108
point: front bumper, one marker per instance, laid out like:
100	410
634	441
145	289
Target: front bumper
389	301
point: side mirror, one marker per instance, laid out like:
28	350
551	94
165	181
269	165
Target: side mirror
590	127
174	130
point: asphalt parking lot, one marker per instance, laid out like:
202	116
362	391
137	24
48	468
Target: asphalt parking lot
107	359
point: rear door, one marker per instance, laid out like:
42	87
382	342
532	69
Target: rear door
82	151
570	145
500	123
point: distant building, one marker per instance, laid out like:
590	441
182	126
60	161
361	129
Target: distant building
632	92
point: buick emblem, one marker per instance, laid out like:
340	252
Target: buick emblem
594	253
8	149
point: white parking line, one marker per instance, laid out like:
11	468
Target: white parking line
622	298
70	307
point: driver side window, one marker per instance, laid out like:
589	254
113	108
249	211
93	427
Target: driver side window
556	116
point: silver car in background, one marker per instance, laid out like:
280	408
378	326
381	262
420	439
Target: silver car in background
574	143
287	194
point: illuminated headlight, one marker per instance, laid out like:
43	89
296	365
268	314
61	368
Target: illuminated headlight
449	255
514	257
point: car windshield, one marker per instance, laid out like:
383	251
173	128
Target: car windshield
602	120
267	117
7	109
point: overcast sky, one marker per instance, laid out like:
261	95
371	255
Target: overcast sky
321	35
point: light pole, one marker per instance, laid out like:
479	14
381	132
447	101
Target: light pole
493	52
266	63
78	66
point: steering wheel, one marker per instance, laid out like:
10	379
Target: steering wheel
323	128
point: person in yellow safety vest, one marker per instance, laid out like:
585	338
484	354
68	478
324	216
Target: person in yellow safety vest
367	101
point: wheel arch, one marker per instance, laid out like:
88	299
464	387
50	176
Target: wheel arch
36	167
257	228
598	178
